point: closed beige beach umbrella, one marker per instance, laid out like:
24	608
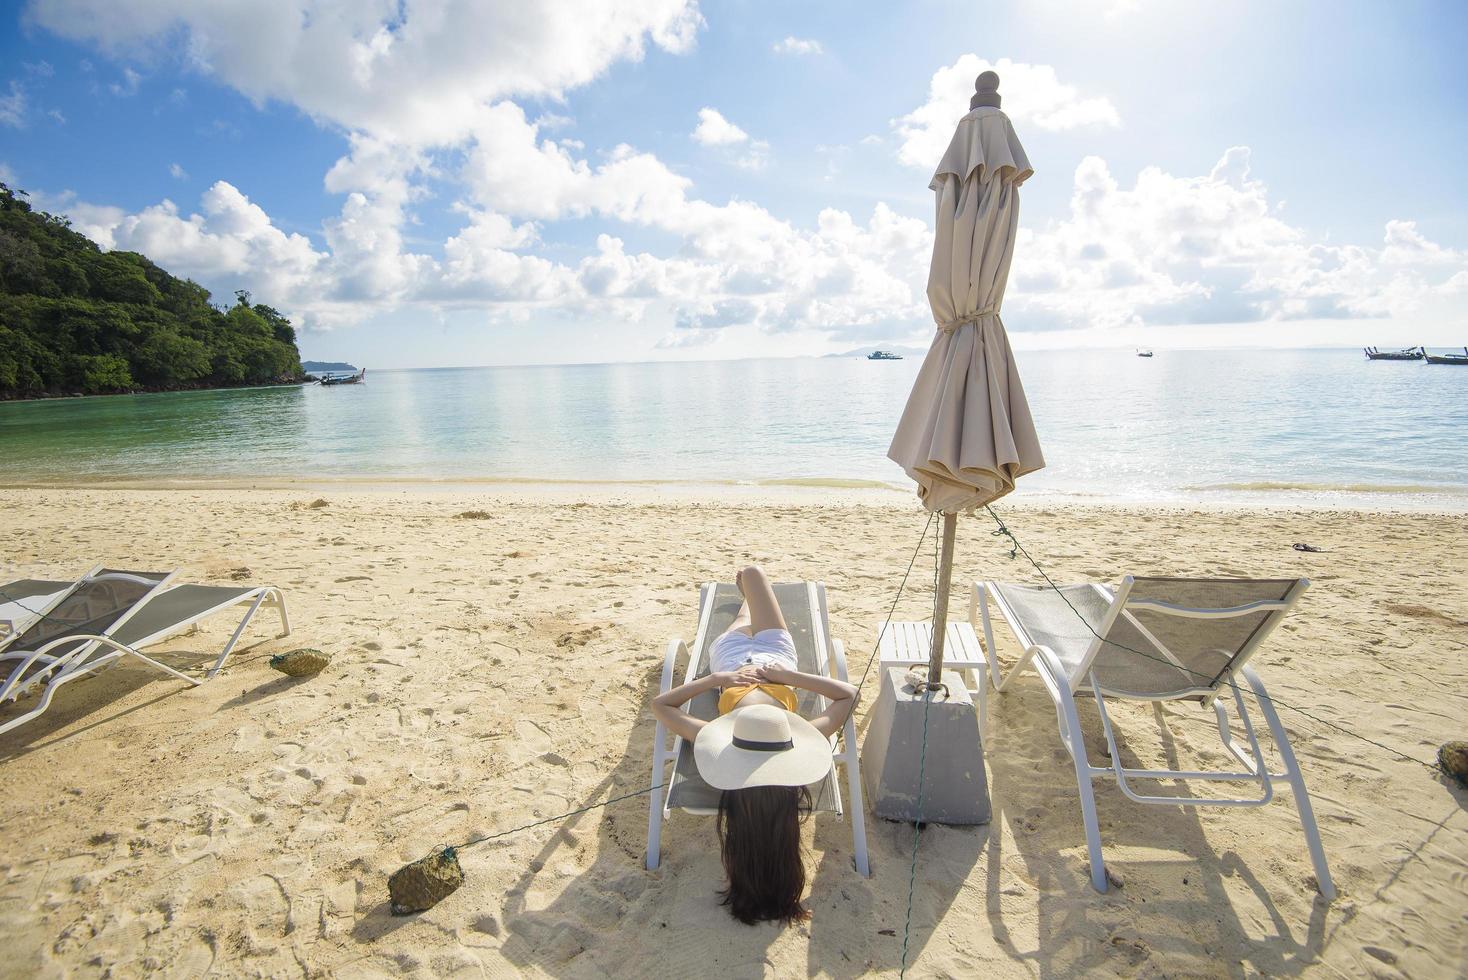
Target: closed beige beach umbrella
966	434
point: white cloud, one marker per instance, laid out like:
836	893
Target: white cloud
177	172
232	236
714	130
757	157
796	45
1168	250
13	106
1212	249
553	120
410	72
128	86
1032	95
735	264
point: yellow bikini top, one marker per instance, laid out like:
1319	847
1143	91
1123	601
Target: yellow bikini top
780	692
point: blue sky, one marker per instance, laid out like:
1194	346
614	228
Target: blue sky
462	184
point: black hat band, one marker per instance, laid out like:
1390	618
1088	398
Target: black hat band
753	746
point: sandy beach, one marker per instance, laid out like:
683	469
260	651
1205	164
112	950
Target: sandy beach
494	652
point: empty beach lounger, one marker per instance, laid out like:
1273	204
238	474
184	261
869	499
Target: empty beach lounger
181	607
1165	639
26	601
804	607
111	615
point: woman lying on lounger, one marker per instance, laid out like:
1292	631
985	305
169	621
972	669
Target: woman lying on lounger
759	752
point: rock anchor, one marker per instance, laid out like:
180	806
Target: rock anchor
300	663
424	883
1453	757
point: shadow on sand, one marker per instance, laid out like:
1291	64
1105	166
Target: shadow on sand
95	694
1174	909
682	930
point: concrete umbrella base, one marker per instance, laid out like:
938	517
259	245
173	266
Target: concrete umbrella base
955	786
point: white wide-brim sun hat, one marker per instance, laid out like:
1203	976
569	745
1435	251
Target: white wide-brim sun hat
761	745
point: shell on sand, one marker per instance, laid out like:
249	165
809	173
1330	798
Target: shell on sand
301	663
426	882
1453	757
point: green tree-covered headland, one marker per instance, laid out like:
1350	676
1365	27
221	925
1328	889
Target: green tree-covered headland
74	318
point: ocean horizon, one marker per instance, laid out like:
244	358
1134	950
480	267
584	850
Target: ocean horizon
1316	425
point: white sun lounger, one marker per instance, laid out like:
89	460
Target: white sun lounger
1165	639
111	615
27	601
803	605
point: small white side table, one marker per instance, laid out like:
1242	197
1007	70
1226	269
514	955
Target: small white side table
908	645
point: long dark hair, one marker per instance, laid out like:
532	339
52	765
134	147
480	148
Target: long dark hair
759	840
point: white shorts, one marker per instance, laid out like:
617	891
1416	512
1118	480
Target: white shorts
766	648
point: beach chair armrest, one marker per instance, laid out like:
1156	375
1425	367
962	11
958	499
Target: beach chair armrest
1052	668
675	648
837	665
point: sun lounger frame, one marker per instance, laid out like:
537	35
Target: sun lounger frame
830	656
36	614
267	596
98	650
57	670
1065	687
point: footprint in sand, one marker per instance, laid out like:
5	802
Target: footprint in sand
265	911
578	637
532	740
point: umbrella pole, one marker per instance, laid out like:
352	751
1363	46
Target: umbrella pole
919	754
940	614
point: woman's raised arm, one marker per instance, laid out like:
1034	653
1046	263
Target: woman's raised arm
841	695
668	706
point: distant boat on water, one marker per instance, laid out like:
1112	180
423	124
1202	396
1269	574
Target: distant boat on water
1446	358
883	355
1144	352
343	379
1405	354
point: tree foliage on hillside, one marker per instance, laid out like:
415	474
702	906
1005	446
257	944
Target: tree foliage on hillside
75	318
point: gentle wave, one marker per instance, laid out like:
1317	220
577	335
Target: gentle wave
125	480
835	483
1383	488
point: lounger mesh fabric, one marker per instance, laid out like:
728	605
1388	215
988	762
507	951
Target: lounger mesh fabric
1197	651
22	599
688	790
27	589
181	604
92	607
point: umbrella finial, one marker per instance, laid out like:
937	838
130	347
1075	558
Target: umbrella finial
985	91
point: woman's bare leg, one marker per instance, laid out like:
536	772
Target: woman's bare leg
741	621
760	604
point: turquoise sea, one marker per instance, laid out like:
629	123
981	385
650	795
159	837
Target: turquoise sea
1312	425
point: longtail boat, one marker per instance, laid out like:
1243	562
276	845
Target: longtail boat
1448	358
1405	354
